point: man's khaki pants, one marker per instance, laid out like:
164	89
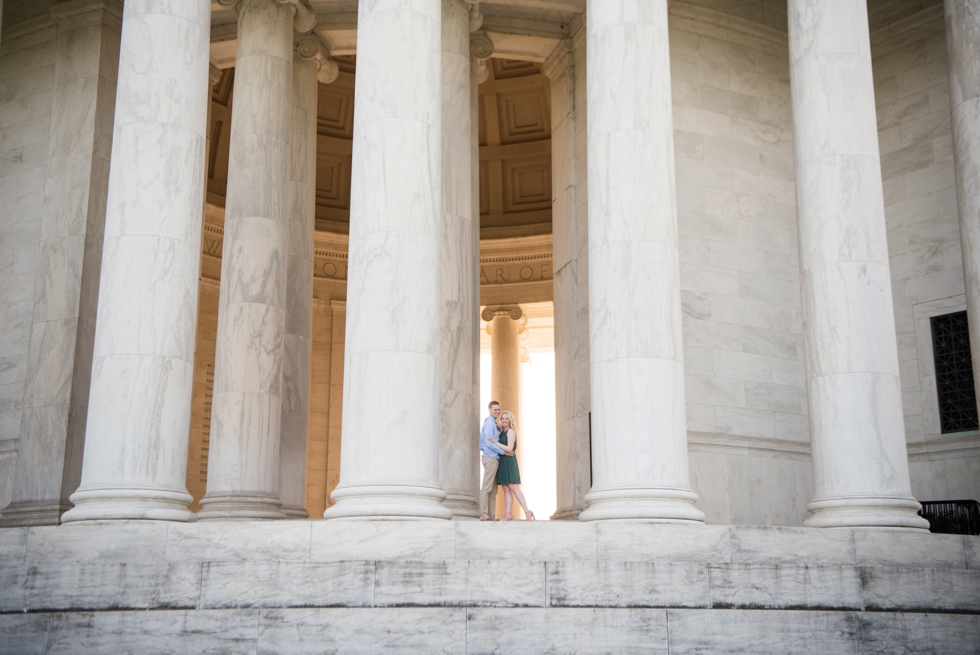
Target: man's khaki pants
488	492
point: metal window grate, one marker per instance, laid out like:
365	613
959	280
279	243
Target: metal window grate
952	516
954	373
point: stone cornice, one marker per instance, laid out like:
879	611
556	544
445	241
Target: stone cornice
720	19
946	448
513	261
899	27
744	445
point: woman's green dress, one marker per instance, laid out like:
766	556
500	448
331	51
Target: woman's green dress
507	471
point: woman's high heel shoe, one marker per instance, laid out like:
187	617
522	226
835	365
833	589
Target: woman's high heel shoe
530	515
508	516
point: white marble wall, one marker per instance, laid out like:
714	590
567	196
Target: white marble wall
915	138
743	347
27	78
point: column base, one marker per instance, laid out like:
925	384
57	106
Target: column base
865	512
38	512
571	514
463	506
663	504
100	504
233	505
295	513
388	502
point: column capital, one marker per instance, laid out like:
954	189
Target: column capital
304	18
490	313
309	47
481	48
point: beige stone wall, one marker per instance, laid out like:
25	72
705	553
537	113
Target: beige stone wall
27	79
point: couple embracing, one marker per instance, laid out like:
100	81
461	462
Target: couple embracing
498	440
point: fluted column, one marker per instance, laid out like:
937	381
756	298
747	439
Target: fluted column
143	366
459	469
243	464
857	432
963	46
639	426
390	450
300	217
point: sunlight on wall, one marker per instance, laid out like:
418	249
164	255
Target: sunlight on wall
537	428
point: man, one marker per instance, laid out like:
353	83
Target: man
490	452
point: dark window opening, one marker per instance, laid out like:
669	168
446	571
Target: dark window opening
954	373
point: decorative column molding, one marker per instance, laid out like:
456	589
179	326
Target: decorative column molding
391	387
638	408
963	46
481	47
143	366
459	469
243	464
857	430
55	403
298	341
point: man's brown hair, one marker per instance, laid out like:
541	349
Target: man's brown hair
492	403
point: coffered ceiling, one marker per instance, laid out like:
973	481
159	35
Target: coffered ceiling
515	149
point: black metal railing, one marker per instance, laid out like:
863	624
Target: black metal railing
952	516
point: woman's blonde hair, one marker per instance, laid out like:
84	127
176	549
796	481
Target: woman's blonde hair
510	417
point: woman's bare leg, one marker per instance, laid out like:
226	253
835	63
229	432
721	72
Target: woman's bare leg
508	502
516	490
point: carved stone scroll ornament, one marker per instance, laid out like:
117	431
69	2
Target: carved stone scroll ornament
476	16
304	17
481	47
309	47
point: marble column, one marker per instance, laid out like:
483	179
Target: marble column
143	366
459	467
54	408
857	431
639	427
243	463
390	451
505	328
571	333
300	217
963	46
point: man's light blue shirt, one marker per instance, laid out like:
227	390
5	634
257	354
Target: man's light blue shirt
490	448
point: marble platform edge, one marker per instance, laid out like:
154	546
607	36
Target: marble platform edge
485	630
325	541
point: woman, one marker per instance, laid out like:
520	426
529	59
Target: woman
508	475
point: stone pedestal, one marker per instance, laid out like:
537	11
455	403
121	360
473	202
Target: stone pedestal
243	465
639	427
300	218
390	450
59	361
860	464
458	422
963	45
143	365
